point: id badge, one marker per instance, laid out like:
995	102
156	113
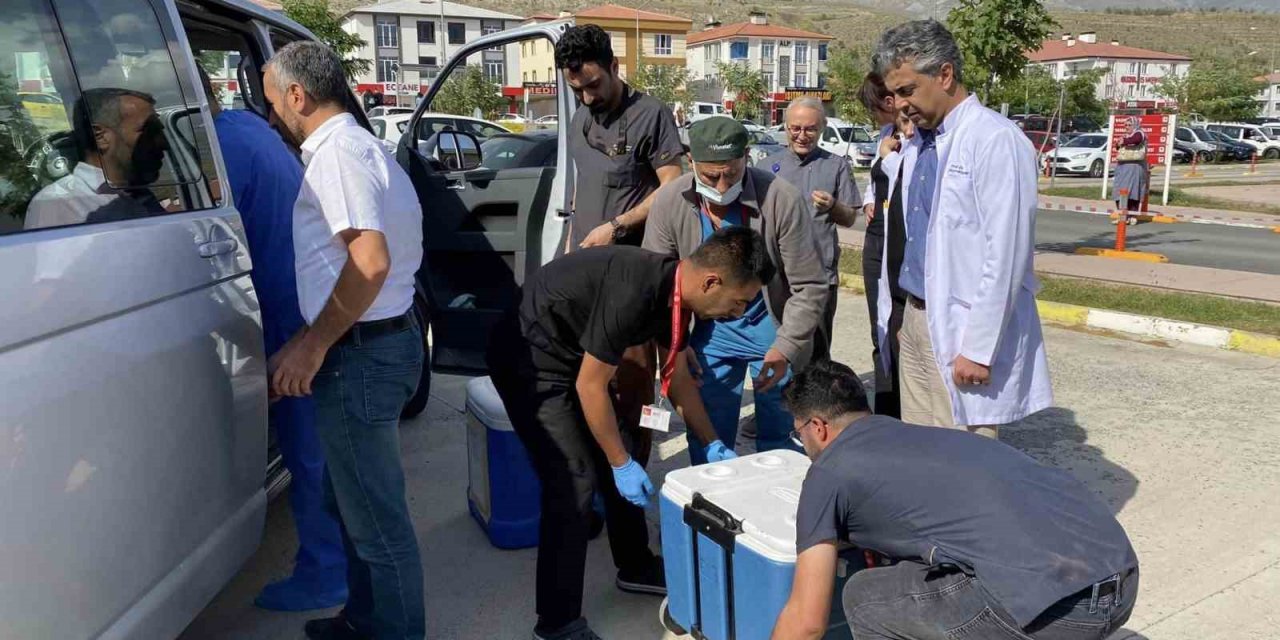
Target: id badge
654	417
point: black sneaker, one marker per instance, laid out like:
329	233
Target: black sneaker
576	630
650	579
335	628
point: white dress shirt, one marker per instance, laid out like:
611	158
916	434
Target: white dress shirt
70	199
352	182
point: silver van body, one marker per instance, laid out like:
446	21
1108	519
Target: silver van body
133	420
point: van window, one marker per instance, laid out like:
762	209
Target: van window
113	140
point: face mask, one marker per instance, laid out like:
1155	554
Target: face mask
710	194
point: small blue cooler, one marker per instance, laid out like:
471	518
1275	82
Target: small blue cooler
728	542
503	492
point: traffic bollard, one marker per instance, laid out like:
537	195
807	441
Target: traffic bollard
1122	222
1253	164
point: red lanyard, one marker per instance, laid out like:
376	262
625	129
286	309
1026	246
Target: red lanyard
677	336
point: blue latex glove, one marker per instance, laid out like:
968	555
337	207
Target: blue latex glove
633	483
717	452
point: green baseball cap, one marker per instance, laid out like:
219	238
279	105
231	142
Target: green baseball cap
717	139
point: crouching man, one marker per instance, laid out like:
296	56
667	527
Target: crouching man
988	542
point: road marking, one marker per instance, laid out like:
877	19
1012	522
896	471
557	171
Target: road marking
1140	256
1244	223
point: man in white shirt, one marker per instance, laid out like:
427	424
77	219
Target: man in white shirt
122	144
971	351
357	235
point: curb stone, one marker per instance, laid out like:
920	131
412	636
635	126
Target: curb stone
1145	326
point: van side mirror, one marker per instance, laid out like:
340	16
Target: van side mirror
453	150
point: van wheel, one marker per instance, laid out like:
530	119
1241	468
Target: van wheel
1095	169
418	401
664	616
1271	154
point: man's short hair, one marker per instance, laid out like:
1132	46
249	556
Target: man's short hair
101	107
582	44
825	390
313	66
926	44
807	102
738	254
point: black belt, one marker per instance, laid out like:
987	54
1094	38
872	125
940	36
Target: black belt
1111	586
915	302
362	332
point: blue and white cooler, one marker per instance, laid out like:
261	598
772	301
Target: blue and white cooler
728	543
503	491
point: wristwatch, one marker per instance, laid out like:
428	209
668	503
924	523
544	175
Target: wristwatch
618	230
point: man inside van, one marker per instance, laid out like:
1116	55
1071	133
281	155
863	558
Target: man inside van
357	232
264	177
989	543
122	144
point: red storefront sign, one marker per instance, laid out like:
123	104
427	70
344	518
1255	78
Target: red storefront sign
540	88
1156	128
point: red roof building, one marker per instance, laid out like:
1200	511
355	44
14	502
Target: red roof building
1132	75
790	60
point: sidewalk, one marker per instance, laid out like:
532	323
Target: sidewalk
1176	277
1186	214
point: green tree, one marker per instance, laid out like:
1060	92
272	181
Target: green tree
327	26
1033	91
1081	96
845	73
467	90
995	35
747	86
1217	88
666	82
17	182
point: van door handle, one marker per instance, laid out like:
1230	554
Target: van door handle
455	184
217	247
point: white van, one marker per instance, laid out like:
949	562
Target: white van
1249	134
703	110
842	138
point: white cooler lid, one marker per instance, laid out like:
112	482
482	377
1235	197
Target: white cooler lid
762	490
486	405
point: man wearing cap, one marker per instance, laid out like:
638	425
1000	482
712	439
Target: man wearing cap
776	334
830	195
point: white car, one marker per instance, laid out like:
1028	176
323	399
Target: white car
703	110
389	129
842	138
1250	134
752	127
514	118
388	111
1085	154
548	121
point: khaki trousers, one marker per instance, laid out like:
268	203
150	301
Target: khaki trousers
925	399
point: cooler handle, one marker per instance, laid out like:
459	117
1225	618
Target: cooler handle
712	521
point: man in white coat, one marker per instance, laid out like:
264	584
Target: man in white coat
971	351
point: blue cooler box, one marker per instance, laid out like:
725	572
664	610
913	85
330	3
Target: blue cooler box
728	543
503	492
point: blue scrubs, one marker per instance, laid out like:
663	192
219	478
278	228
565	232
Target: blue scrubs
265	178
727	351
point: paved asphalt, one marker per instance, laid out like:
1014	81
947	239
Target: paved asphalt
1202	245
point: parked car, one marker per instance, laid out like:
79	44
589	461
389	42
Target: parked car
1048	124
1043	142
377	112
752	127
1272	129
703	110
841	138
1250	134
390	129
762	146
1199	142
1182	152
1231	149
1084	154
137	454
548	121
519	150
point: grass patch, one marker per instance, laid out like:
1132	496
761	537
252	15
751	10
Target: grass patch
1187	307
1177	198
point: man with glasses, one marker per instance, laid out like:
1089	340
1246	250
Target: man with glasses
988	542
830	196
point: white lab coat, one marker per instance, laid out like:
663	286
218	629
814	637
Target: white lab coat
979	282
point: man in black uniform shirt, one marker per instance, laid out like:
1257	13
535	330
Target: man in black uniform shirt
552	363
989	543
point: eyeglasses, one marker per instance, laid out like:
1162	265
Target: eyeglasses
795	433
793	130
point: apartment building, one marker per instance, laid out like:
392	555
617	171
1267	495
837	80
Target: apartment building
409	41
1269	97
1132	76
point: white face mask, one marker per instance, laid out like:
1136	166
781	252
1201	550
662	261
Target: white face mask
710	194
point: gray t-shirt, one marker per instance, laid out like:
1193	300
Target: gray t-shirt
617	156
821	170
1032	534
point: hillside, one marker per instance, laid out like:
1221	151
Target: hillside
857	24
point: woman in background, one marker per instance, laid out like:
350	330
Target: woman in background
1129	188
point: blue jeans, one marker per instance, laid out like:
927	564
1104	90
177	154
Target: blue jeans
722	379
359	393
911	600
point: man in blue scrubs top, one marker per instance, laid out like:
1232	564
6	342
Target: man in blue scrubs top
264	177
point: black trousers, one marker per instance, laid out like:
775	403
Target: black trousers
825	335
548	419
887	401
